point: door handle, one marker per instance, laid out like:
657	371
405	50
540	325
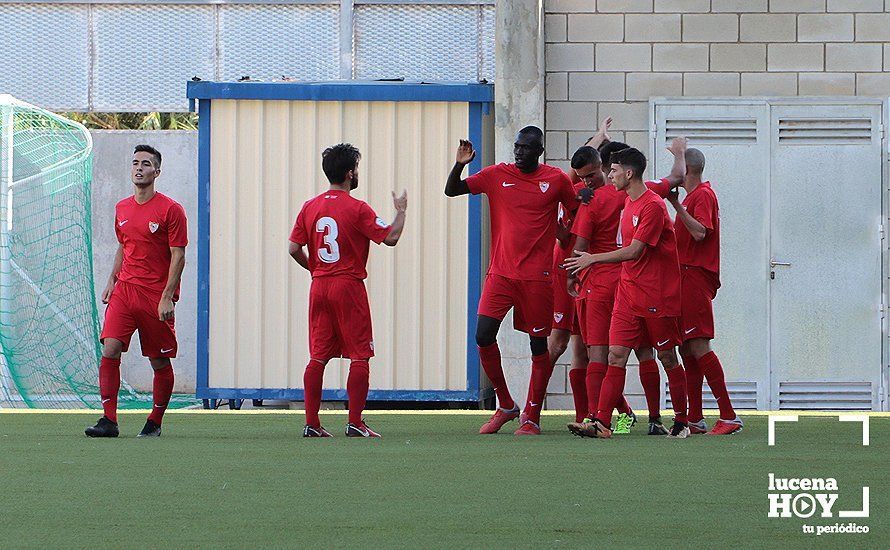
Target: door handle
776	263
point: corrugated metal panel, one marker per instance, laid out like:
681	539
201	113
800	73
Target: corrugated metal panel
56	37
265	164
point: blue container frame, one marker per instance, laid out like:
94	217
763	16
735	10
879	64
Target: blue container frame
478	96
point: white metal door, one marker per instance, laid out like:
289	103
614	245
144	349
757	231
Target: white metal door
825	256
734	138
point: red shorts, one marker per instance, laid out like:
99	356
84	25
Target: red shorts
532	303
595	317
133	308
697	292
339	319
634	332
595	306
564	317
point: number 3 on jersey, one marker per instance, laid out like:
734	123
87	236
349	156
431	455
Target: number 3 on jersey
328	226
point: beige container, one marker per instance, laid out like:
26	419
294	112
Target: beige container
260	160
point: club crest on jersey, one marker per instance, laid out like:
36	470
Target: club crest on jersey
544	186
153	226
636	220
557	317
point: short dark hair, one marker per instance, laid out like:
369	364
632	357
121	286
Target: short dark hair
606	149
533	131
585	155
339	159
149	149
630	158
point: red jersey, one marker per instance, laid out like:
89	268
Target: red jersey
650	285
560	251
338	229
701	205
523	217
598	223
147	232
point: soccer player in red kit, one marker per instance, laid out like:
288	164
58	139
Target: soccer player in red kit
647	303
698	245
523	200
337	230
141	292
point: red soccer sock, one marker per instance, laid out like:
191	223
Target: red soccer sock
596	373
357	389
651	380
613	387
677	387
623	405
109	386
542	369
162	389
578	381
693	387
490	357
713	371
312	378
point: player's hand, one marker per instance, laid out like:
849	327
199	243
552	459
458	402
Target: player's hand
578	262
165	309
604	127
572	286
673	196
678	146
465	152
106	294
585	194
401	203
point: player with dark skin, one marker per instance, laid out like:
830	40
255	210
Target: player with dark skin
527	150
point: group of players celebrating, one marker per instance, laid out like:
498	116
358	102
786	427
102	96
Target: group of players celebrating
621	276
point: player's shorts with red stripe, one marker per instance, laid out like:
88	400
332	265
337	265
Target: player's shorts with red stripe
632	331
133	307
697	291
532	303
564	308
339	319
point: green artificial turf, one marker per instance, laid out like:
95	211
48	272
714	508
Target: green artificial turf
237	480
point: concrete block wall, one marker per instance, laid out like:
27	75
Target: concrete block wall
607	57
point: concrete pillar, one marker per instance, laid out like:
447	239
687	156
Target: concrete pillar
519	101
519	71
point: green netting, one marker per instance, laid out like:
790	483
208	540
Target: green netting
49	324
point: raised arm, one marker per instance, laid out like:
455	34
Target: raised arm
455	186
678	170
398	224
695	227
602	135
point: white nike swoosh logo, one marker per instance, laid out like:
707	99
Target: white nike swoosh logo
105	401
690	330
166	350
530	404
505	184
537	329
663	343
159	406
121	223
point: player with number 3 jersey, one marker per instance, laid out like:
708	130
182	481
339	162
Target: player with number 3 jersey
336	229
